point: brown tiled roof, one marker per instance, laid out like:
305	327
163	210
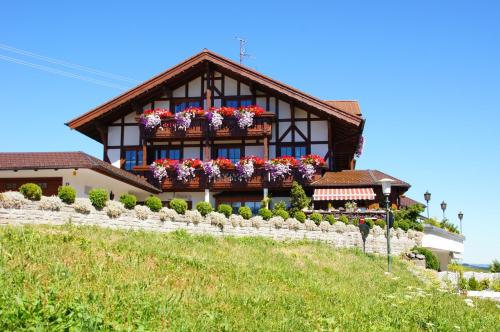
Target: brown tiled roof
227	64
349	106
355	177
407	201
69	160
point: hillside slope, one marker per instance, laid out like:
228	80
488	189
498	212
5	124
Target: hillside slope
97	279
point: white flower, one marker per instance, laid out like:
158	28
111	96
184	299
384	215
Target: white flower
82	205
236	220
469	302
310	225
256	221
167	214
52	203
114	209
293	224
12	200
217	219
324	226
141	212
194	217
339	227
276	221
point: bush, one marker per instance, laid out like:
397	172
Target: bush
98	197
12	200
462	283
153	203
417	227
204	208
495	285
331	219
484	284
344	219
225	209
380	223
52	203
245	212
129	201
82	205
431	261
141	212
31	191
316	217
355	221
298	197
282	213
495	266
67	194
473	284
266	214
370	222
194	217
114	209
168	214
179	205
281	205
300	216
403	224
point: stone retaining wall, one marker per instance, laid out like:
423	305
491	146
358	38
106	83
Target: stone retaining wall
454	276
338	235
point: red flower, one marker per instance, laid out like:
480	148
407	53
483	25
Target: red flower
257	161
194	163
195	110
223	163
256	110
313	159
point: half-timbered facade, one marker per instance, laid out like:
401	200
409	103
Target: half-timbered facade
293	124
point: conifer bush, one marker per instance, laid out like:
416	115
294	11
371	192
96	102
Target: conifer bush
179	205
266	214
98	197
245	212
331	219
282	213
129	201
153	203
225	209
204	208
316	217
300	216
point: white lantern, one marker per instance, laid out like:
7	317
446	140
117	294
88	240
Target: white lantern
386	186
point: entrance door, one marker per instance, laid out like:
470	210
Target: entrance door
49	185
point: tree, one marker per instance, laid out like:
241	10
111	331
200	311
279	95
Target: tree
298	198
495	266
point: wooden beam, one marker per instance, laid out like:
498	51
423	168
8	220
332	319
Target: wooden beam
330	144
266	148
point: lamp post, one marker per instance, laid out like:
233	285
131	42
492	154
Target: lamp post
460	217
443	207
427	197
386	190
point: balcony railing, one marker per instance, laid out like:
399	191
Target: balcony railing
228	181
200	128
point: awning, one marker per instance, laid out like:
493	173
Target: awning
344	194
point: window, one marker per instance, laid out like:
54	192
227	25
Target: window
296	151
179	107
236	103
132	158
233	154
232	103
168	153
254	206
246	102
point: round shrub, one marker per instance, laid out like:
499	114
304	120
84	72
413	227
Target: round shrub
31	191
417	226
129	201
67	194
266	214
179	205
331	219
282	213
245	212
316	217
225	209
98	197
204	208
380	223
153	203
355	221
431	261
370	222
403	224
473	284
344	219
300	216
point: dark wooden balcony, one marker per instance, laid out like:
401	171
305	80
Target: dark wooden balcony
200	129
229	181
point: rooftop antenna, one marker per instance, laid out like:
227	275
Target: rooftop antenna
243	52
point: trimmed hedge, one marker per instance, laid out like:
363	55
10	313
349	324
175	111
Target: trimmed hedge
282	213
98	197
179	205
331	219
67	194
204	208
245	212
316	217
266	214
31	191
129	201
344	219
225	209
153	203
300	216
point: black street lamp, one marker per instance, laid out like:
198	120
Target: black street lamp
427	197
443	207
386	190
460	217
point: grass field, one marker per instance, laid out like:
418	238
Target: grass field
83	278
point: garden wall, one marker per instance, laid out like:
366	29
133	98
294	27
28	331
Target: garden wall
338	234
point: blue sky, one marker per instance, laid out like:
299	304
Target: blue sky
426	73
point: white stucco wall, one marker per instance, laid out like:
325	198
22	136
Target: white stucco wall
114	135
284	108
319	149
131	135
194	87
114	157
433	241
319	131
230	86
83	181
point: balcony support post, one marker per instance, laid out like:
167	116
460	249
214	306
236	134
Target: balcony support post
266	148
266	194
207	195
208	104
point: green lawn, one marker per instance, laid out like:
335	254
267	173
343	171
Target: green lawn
84	278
